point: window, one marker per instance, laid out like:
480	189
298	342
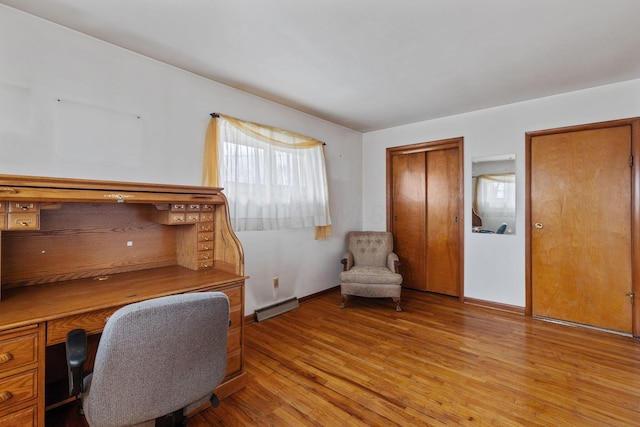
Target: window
273	179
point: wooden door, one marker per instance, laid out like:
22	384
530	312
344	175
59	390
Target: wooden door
423	213
443	231
409	221
580	217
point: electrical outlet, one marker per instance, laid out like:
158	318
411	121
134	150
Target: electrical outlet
276	282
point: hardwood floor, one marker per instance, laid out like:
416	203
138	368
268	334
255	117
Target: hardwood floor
439	362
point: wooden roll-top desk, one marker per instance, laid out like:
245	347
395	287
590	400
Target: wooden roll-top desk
74	251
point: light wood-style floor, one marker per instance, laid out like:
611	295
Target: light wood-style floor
439	362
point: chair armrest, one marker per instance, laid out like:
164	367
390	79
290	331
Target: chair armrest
347	261
393	262
76	356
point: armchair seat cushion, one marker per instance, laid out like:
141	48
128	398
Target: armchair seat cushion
369	291
370	275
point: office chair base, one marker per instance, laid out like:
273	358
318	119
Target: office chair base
174	419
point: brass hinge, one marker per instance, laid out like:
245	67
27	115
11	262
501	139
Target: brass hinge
630	295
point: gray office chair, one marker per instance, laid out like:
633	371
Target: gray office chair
502	228
156	361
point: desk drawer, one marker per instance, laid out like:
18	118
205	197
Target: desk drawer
23	221
206	224
192	217
205	237
205	246
17	389
27	417
92	322
19	351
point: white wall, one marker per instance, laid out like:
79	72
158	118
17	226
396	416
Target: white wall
494	265
43	62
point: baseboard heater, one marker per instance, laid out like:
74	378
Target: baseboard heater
276	309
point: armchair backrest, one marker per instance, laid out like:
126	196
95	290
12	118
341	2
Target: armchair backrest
158	356
370	248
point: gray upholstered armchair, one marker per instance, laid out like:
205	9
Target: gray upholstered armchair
370	267
157	360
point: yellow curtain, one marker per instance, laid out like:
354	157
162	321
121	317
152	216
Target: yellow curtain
273	135
264	133
210	162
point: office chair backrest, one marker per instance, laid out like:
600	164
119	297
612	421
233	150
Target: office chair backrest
158	356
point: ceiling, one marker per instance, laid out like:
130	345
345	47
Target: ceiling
371	64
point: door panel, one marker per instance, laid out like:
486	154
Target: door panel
409	228
425	205
443	239
581	227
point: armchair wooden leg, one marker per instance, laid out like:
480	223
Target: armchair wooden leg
345	298
397	301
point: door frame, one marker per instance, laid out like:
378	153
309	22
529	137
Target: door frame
634	123
441	144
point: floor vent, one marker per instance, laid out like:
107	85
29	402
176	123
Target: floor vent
276	309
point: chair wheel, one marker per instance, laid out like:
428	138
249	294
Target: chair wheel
215	402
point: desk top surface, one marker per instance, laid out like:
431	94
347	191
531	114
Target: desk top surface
38	303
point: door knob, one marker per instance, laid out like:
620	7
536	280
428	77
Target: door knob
538	225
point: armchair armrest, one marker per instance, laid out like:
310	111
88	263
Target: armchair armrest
76	356
347	261
393	262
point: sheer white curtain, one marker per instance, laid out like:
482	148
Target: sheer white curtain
273	179
495	200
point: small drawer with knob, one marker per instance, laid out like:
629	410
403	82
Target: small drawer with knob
205	246
193	217
206	217
205	264
170	217
18	351
17	389
205	237
205	227
23	207
23	221
175	218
